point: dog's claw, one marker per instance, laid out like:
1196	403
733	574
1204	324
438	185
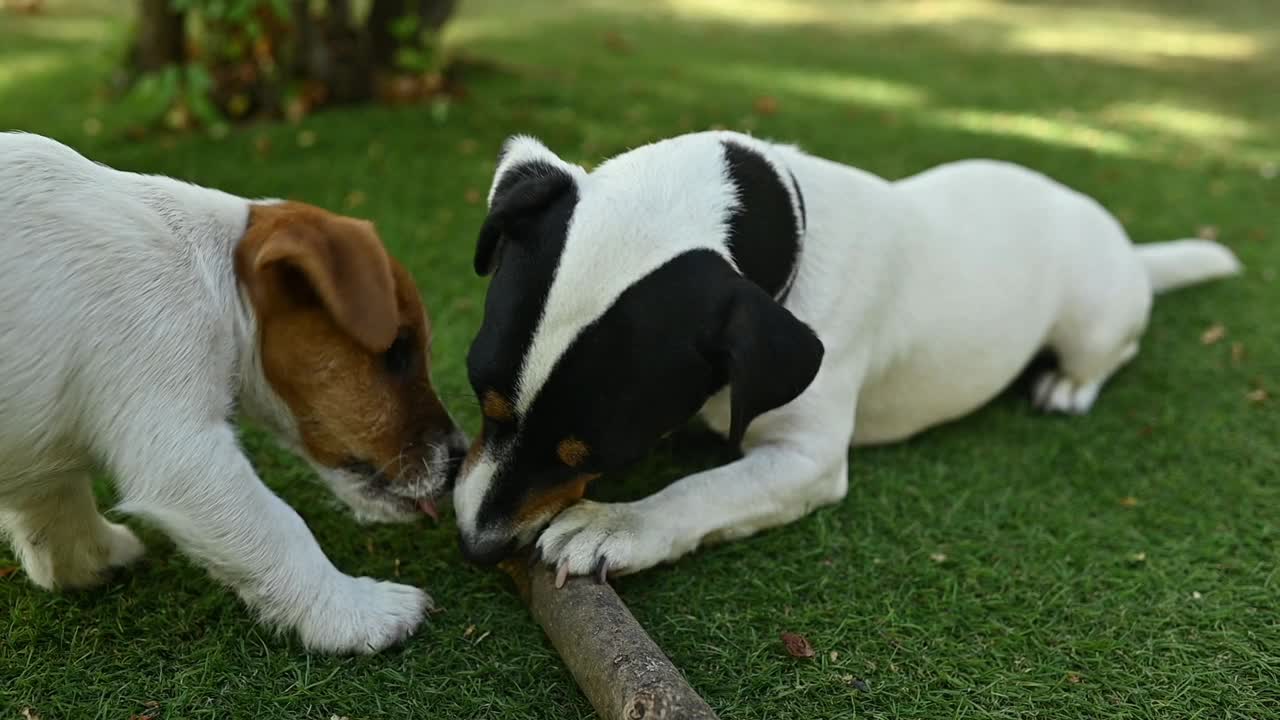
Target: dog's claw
561	575
602	571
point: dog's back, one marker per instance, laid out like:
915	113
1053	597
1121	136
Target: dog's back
91	274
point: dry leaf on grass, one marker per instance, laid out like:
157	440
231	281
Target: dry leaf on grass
1195	595
472	196
1207	232
1138	557
1257	396
1129	501
616	42
1213	334
306	138
1074	678
354	199
938	557
1237	352
797	646
7	571
30	714
766	105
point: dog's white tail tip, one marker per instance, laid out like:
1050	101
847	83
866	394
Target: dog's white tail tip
1177	264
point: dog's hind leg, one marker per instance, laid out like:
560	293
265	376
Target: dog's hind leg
60	537
1093	340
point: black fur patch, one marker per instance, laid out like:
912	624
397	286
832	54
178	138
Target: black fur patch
764	231
668	343
533	238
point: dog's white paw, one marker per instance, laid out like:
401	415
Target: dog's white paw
365	616
602	539
1055	392
83	563
123	547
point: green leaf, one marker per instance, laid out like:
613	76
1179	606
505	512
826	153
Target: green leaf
404	27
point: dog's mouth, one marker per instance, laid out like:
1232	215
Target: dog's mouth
375	495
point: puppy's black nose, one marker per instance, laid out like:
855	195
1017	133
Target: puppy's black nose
485	550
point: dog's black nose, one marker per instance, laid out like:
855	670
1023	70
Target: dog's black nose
486	550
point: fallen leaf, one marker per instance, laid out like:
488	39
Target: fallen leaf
1213	334
262	144
7	571
834	656
471	630
1138	557
1237	353
797	646
92	126
339	717
1257	396
306	138
1207	232
296	109
616	42
1195	595
1129	501
766	105
472	196
354	199
938	557
1074	678
30	714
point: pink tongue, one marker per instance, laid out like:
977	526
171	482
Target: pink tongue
428	507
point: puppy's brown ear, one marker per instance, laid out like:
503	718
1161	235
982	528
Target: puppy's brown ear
343	263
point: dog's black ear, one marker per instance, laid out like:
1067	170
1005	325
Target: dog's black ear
768	354
529	178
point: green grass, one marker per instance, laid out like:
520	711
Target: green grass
990	568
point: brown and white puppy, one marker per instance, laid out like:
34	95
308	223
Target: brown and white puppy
137	313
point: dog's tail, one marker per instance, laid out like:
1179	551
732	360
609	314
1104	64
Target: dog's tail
1171	265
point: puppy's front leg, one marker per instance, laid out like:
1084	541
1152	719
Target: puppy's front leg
202	490
796	460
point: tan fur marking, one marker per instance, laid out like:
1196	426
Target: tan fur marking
496	407
348	406
572	451
554	500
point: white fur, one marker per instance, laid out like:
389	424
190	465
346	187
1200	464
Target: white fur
930	294
125	344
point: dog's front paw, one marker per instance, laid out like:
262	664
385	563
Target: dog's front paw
605	538
364	617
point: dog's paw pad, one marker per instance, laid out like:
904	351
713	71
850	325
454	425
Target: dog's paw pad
1055	392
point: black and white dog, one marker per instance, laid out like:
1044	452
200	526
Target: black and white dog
799	305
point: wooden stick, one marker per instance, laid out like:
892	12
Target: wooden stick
624	674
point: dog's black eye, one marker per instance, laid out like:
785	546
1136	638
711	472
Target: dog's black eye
399	356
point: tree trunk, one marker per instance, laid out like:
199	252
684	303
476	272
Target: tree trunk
382	43
435	13
161	39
